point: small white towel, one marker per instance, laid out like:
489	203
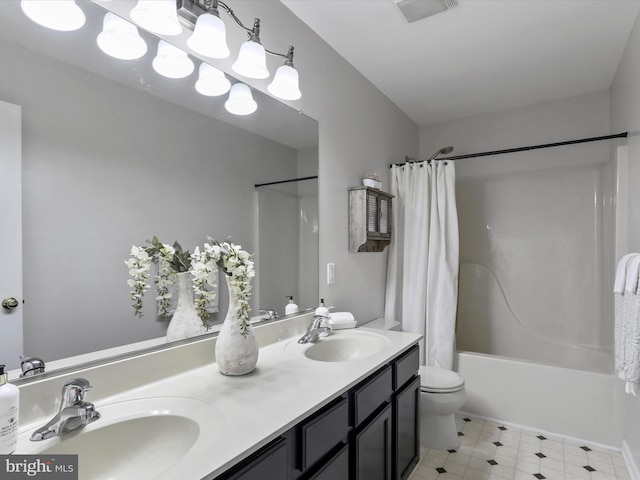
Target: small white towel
627	322
341	320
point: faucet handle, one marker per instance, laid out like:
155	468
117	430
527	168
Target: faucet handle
73	391
319	321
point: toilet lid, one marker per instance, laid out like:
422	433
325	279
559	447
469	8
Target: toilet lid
439	380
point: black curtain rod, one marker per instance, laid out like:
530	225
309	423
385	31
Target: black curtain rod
285	181
532	147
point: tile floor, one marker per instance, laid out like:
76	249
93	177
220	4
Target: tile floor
491	451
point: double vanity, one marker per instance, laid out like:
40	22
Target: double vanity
343	407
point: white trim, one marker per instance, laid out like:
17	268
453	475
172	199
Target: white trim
632	466
549	435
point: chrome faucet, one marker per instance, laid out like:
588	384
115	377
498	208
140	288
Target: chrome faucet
74	412
319	324
269	312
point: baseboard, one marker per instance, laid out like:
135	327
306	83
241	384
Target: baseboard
632	466
549	435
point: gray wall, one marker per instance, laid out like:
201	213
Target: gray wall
361	131
105	167
625	116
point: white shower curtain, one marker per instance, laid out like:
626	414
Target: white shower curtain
422	273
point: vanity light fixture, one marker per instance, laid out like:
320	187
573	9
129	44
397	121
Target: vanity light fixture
251	61
171	62
285	81
211	81
209	36
240	101
157	16
120	39
252	58
62	15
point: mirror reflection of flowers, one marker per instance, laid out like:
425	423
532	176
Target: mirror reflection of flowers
203	265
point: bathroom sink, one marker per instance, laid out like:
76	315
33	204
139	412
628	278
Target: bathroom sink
138	439
342	346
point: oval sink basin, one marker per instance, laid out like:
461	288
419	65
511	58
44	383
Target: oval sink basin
344	346
134	439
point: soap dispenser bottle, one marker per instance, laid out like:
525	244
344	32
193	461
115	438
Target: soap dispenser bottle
9	404
322	310
291	307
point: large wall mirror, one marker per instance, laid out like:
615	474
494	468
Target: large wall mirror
113	154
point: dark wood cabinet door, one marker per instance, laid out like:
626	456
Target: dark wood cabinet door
406	412
373	448
335	469
272	463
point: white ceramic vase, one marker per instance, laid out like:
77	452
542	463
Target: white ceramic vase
236	354
185	322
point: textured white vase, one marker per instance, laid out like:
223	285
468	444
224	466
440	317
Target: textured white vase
236	354
185	322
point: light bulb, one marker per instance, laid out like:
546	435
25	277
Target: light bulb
62	15
120	39
252	60
211	81
209	37
157	16
171	62
240	101
285	83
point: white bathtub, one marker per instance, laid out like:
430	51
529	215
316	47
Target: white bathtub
567	402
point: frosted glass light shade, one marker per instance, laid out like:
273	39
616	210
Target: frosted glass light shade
252	60
285	84
211	81
63	15
171	62
157	16
240	101
120	39
209	37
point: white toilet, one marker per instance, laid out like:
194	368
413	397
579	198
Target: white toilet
441	395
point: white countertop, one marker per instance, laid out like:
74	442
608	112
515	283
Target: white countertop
253	409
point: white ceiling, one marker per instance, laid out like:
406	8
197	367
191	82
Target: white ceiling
481	56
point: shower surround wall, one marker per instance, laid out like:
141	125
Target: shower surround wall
531	257
537	265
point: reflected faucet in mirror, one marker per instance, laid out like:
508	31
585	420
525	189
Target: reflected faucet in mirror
269	312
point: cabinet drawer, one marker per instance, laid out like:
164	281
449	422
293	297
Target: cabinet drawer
367	397
406	367
324	431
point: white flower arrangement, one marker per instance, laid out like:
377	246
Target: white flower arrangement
203	265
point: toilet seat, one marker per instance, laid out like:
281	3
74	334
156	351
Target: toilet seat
439	380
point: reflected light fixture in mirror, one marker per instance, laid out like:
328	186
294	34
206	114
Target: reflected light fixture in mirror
157	16
120	39
171	62
211	81
240	100
63	15
209	37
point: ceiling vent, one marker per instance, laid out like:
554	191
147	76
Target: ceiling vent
414	10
